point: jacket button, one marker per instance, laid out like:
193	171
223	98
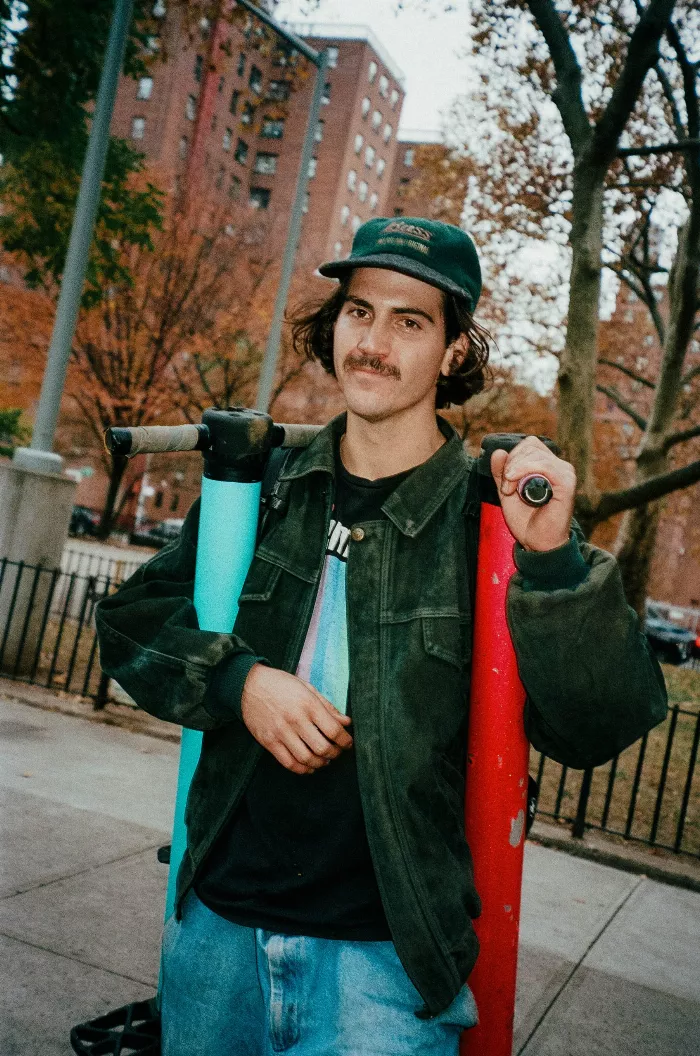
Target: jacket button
357	535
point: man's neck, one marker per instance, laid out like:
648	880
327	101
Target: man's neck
373	450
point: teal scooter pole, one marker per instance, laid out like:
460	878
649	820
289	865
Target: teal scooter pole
236	445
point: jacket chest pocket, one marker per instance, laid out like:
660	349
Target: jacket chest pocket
448	638
271	609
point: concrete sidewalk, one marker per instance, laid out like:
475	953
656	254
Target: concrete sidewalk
610	961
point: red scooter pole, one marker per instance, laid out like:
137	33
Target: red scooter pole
496	799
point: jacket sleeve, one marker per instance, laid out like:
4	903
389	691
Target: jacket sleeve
593	685
151	643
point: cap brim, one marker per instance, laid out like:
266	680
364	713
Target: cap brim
335	269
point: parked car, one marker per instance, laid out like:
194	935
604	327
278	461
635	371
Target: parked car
157	533
671	644
84	521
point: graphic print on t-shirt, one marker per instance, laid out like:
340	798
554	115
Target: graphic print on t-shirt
324	658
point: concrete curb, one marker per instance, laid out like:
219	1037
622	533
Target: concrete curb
652	862
122	715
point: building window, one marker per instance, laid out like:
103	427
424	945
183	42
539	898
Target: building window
266	164
362	191
158	501
259	197
241	154
313	163
383	86
373	199
159	9
337	250
344	215
318	134
388	132
307	200
369	156
233	105
255	81
408	158
376	119
198	66
398	212
366	106
372	71
145	88
183	147
240	69
191	108
174	502
326	97
359	140
272	128
356	221
247	114
278	91
234	188
204	28
226	140
222	82
352	180
394	98
381	165
138	127
332	57
219	181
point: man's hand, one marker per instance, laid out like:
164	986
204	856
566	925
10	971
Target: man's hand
543	527
292	720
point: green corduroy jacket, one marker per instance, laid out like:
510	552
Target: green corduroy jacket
592	684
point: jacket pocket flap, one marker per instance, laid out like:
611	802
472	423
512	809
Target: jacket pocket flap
446	638
261	580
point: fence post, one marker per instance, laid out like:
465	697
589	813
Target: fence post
580	820
102	695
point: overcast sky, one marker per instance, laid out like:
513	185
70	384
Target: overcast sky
426	50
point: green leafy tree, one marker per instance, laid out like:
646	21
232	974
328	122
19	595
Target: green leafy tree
52	56
12	430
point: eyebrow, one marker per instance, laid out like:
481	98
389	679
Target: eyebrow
396	311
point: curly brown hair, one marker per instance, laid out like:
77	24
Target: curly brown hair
312	336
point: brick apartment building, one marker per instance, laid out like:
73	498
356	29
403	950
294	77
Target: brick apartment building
222	120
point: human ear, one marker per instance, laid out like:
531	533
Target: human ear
455	354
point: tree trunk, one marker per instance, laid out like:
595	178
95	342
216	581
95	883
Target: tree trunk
118	468
577	366
634	549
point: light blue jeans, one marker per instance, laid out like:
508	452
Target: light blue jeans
229	990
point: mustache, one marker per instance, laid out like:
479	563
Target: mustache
375	363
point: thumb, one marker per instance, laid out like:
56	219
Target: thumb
498	461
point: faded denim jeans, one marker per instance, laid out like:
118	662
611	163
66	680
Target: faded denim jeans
230	990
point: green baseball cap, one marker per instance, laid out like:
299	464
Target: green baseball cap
437	253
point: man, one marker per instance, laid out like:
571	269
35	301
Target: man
326	897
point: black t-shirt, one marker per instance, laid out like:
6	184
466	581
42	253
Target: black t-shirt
294	857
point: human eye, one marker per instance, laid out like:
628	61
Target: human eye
411	324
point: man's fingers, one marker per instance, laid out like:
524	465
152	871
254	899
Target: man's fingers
287	760
319	745
301	751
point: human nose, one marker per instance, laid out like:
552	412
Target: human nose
373	340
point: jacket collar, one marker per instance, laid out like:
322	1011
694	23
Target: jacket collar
417	498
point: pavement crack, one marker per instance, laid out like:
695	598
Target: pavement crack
80	872
79	960
601	931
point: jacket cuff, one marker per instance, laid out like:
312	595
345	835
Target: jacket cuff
223	698
561	569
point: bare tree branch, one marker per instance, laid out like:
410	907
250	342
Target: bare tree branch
626	370
625	407
613	502
681	436
663	148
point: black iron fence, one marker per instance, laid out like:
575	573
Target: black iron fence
649	794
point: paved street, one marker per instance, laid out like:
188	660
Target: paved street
610	961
